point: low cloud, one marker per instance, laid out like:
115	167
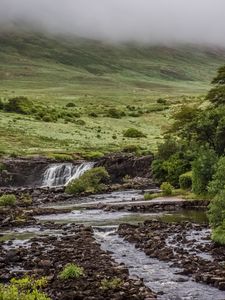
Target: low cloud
151	21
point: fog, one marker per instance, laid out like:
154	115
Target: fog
151	21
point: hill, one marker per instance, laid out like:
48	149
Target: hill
96	76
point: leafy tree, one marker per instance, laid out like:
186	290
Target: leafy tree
220	78
216	211
203	169
218	182
217	94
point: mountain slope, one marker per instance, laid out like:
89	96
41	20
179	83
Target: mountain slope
37	61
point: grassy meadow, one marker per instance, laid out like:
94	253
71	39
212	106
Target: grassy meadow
96	78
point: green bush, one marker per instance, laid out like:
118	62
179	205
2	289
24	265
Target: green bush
185	180
218	180
216	212
202	170
218	234
93	115
49	118
133	133
90	181
1	104
71	271
20	105
80	122
26	288
70	104
115	113
111	284
166	188
161	101
7	200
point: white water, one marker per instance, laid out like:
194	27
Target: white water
62	174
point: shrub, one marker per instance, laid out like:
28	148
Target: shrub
216	213
135	114
161	101
202	170
111	284
133	133
8	200
93	115
90	181
218	234
70	104
1	104
218	182
49	118
20	105
168	148
166	188
71	271
169	170
80	122
185	180
26	288
115	113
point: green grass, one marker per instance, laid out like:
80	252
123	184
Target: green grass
97	78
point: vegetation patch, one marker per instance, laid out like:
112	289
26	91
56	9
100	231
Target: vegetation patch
71	271
26	288
111	284
185	180
91	181
7	200
134	133
167	189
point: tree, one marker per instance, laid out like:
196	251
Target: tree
218	182
203	169
217	94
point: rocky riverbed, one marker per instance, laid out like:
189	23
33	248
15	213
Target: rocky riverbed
187	245
46	255
42	238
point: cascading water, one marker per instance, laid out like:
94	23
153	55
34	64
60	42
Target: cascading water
62	174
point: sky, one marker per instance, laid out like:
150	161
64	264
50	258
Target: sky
148	21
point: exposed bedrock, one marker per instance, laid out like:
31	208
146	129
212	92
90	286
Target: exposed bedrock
17	172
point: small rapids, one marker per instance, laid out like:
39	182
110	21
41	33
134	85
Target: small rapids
157	275
62	174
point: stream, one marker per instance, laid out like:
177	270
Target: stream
161	277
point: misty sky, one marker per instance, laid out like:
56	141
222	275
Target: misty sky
154	21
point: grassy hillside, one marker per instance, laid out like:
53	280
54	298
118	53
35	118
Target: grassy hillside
96	77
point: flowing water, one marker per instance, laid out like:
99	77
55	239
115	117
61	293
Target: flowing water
62	174
161	277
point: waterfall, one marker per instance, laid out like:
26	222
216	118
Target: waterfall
62	174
